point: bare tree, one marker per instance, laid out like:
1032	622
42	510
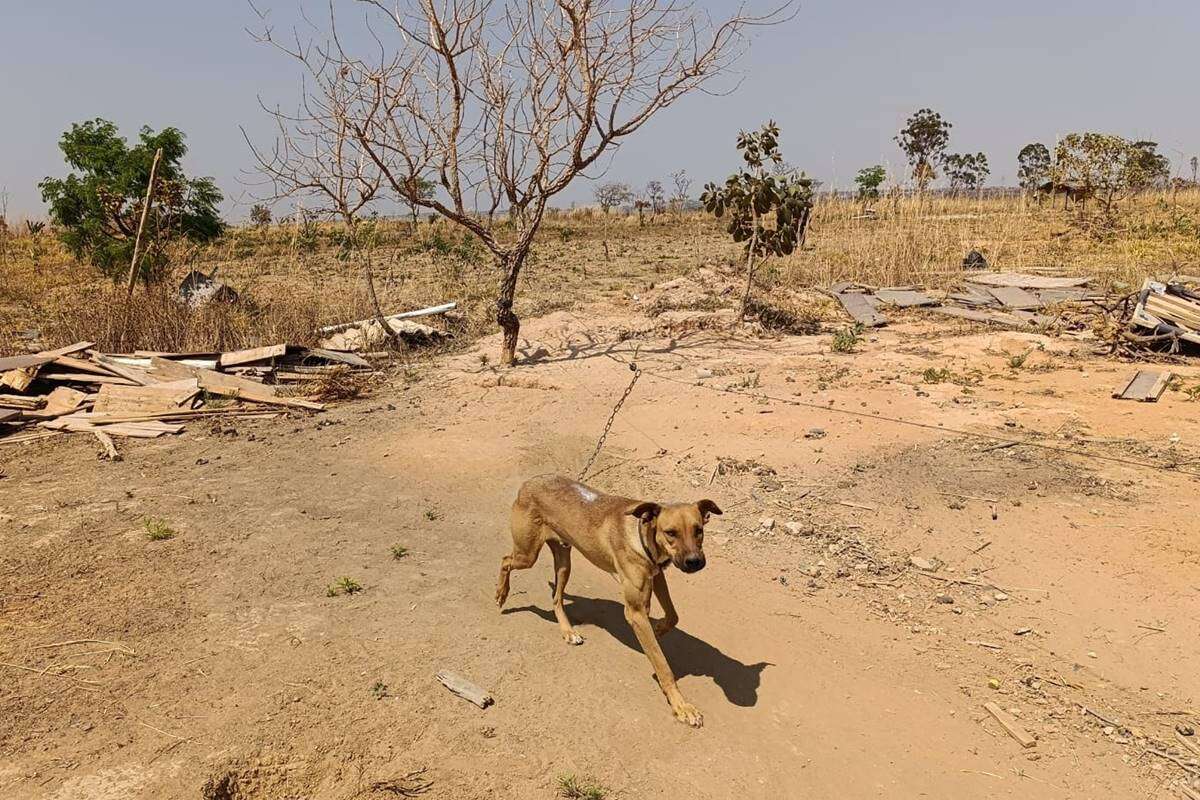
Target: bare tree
316	155
507	101
682	184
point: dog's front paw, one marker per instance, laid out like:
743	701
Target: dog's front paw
573	638
689	715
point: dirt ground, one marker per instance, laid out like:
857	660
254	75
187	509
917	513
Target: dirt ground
214	665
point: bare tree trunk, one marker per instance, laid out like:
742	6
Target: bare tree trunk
510	266
369	280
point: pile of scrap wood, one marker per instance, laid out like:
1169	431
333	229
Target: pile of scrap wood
1009	299
143	394
1169	311
368	334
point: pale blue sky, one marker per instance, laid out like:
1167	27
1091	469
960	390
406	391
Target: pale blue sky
840	79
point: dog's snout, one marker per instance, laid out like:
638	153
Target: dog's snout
693	563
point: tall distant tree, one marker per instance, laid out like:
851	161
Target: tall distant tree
1149	168
923	139
1033	166
753	195
612	195
1104	166
507	101
868	180
656	197
1194	162
966	171
682	184
97	208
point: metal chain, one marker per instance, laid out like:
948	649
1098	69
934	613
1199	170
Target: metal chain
637	373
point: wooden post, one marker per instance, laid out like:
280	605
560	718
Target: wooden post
137	241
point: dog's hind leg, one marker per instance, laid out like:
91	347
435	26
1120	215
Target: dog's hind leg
562	574
527	543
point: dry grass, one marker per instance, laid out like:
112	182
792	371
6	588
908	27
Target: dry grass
292	279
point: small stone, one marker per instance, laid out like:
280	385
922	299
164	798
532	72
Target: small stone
1022	631
815	433
766	523
993	683
701	374
1185	730
924	564
1092	654
944	598
794	528
1001	596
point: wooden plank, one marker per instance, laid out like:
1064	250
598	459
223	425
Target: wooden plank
905	298
253	354
21	362
341	356
232	386
465	689
82	365
1173	309
1146	385
86	377
1022	280
421	312
1015	297
110	449
140	377
137	430
9	415
861	309
167	396
1073	294
63	400
23	402
1010	724
20	378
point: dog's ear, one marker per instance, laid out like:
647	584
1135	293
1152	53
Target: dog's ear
645	511
707	507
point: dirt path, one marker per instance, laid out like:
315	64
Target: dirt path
824	665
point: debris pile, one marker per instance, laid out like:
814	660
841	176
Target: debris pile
1170	311
1008	299
145	394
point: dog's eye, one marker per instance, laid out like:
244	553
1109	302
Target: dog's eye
670	533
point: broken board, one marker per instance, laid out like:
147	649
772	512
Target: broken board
861	309
1146	386
167	396
249	356
905	298
1015	297
1024	281
976	315
1010	724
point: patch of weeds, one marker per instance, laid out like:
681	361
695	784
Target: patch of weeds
936	375
432	514
748	381
847	340
379	690
784	320
827	378
343	585
1192	392
157	529
576	788
399	551
1016	360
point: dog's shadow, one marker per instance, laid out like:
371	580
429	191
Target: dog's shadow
686	654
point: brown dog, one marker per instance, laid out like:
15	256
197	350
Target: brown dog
632	540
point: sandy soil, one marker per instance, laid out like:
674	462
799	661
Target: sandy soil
214	664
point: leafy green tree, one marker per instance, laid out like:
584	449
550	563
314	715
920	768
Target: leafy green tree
1148	167
1033	166
1106	166
923	139
966	171
753	196
868	180
423	190
98	206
